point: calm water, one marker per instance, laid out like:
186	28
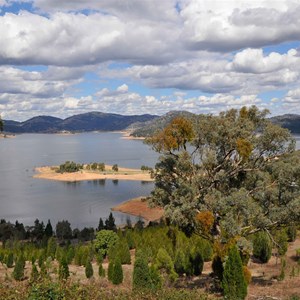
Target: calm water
24	198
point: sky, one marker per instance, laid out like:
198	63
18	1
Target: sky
133	57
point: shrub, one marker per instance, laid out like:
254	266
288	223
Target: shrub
117	273
282	241
101	271
141	275
63	271
89	272
217	266
18	273
164	262
262	247
10	260
291	233
34	273
233	282
104	240
110	270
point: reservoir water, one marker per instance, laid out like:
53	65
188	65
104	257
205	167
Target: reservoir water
24	198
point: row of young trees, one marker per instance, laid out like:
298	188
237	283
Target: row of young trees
71	166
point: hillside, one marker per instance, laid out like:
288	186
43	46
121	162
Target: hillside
83	122
289	121
150	127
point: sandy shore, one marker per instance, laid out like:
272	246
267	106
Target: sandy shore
139	207
123	174
4	136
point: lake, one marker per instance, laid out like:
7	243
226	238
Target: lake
24	198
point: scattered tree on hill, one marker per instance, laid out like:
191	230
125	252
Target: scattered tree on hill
63	271
18	272
262	247
110	223
105	239
48	229
89	269
234	283
237	167
63	230
100	225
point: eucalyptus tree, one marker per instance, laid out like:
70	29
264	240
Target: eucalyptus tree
228	175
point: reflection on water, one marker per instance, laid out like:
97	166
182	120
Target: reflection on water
24	198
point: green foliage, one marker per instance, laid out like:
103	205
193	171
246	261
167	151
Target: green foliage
105	239
63	271
10	260
34	273
117	272
281	240
48	229
164	263
262	247
101	271
282	270
69	167
89	272
233	282
18	273
110	270
246	181
110	223
121	251
141	273
291	233
63	230
51	247
115	168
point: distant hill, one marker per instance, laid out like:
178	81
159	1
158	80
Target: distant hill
150	127
78	123
289	121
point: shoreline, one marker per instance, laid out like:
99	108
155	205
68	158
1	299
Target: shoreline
49	173
139	207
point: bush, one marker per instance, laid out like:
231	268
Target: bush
262	247
18	273
164	262
141	274
101	271
63	271
105	239
233	282
34	273
291	233
89	272
282	241
117	273
10	260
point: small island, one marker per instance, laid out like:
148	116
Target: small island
70	172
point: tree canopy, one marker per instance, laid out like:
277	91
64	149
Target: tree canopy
228	175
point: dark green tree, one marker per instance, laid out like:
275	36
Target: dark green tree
63	271
18	272
110	270
89	272
110	223
262	247
240	173
234	283
48	229
34	273
1	124
63	230
101	271
100	225
10	260
115	168
117	272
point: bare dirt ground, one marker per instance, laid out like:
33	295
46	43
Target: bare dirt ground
139	207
